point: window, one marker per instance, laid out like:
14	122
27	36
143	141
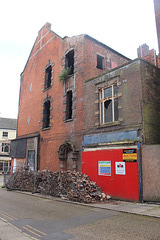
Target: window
69	105
69	61
100	60
31	160
109	104
46	114
5	147
5	134
48	75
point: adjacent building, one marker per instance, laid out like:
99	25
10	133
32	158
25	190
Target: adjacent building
8	129
122	131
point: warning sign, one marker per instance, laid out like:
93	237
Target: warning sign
120	168
129	155
104	168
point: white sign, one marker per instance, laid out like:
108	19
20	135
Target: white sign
104	168
120	168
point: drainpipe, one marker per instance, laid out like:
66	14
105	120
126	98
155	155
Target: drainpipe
140	172
154	52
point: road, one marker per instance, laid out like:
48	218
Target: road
48	219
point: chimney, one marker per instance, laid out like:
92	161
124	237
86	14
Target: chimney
142	51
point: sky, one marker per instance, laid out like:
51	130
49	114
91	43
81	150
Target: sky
123	25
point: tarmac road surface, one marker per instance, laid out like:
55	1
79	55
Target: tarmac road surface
49	219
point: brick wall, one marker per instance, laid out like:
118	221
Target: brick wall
128	79
151	103
151	172
138	101
50	49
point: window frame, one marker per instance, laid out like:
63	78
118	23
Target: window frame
69	61
69	104
4	145
46	114
102	101
5	133
100	62
48	77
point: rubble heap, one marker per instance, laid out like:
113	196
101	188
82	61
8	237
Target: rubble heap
69	185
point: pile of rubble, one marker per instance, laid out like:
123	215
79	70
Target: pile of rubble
69	185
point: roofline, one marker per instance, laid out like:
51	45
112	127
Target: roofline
10	128
85	35
49	29
104	45
121	66
26	136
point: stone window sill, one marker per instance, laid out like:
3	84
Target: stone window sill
111	124
68	120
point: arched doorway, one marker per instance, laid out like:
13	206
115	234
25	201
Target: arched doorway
68	156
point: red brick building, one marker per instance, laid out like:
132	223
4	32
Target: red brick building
51	112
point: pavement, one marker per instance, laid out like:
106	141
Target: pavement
145	209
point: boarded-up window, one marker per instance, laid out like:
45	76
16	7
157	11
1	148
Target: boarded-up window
69	105
18	148
46	114
69	61
109	104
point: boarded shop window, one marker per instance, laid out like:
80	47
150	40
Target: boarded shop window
109	104
48	75
69	61
5	147
100	61
46	114
69	105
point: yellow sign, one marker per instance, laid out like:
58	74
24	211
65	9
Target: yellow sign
130	156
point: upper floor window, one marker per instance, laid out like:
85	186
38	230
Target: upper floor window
48	76
69	105
69	61
109	104
100	62
5	134
46	114
5	147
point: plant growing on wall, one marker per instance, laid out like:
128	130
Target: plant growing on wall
65	74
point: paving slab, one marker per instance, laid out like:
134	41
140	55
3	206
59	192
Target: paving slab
145	209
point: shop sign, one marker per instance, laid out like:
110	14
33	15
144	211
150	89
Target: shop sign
129	155
120	168
104	168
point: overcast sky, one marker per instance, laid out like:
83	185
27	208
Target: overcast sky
123	25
